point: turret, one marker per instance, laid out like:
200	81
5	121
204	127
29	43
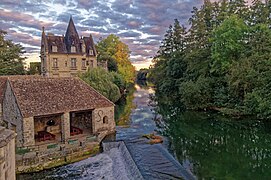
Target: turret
72	40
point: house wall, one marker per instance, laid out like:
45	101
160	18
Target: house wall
103	128
65	127
65	68
28	132
7	154
12	115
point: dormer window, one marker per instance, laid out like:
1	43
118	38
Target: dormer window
91	52
54	48
73	49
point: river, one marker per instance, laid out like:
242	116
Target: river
209	145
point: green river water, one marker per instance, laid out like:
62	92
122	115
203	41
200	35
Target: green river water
217	147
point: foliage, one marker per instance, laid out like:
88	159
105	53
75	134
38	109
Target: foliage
108	84
11	62
117	53
222	61
35	68
142	74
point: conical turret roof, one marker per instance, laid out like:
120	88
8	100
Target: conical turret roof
71	37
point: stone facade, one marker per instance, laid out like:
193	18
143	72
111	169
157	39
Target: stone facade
66	56
64	66
12	115
7	154
80	116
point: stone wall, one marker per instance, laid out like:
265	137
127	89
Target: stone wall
103	121
39	157
64	68
28	132
12	115
7	154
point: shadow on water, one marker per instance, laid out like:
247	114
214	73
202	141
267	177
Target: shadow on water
214	146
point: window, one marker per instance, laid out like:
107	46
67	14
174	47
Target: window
105	120
73	49
55	65
54	48
90	52
83	63
87	63
73	62
66	63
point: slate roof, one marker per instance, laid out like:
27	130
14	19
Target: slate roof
37	95
71	38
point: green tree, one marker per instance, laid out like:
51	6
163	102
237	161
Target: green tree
106	83
228	43
11	62
118	53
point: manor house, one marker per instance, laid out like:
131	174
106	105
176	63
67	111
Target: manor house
66	56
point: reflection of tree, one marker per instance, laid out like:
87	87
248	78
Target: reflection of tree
124	107
219	147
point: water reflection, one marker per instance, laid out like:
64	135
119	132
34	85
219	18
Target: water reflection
213	146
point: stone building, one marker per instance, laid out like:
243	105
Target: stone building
54	118
7	154
2	88
66	56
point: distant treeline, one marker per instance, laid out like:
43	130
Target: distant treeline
222	62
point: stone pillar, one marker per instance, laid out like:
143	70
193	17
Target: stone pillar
28	132
65	127
7	154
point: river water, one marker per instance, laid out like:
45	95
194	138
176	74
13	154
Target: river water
209	145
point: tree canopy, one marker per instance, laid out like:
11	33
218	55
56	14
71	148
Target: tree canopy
11	62
107	83
117	54
221	62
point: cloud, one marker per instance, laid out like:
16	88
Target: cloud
139	23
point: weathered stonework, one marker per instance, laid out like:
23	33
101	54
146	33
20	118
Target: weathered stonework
58	120
7	154
28	132
65	125
103	121
12	115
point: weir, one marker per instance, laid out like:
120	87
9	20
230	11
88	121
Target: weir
145	161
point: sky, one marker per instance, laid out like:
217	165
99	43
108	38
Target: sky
141	24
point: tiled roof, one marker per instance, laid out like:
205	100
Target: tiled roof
38	95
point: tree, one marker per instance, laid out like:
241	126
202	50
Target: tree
222	60
228	43
11	62
118	53
108	84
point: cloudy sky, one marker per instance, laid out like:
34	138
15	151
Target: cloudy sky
139	23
